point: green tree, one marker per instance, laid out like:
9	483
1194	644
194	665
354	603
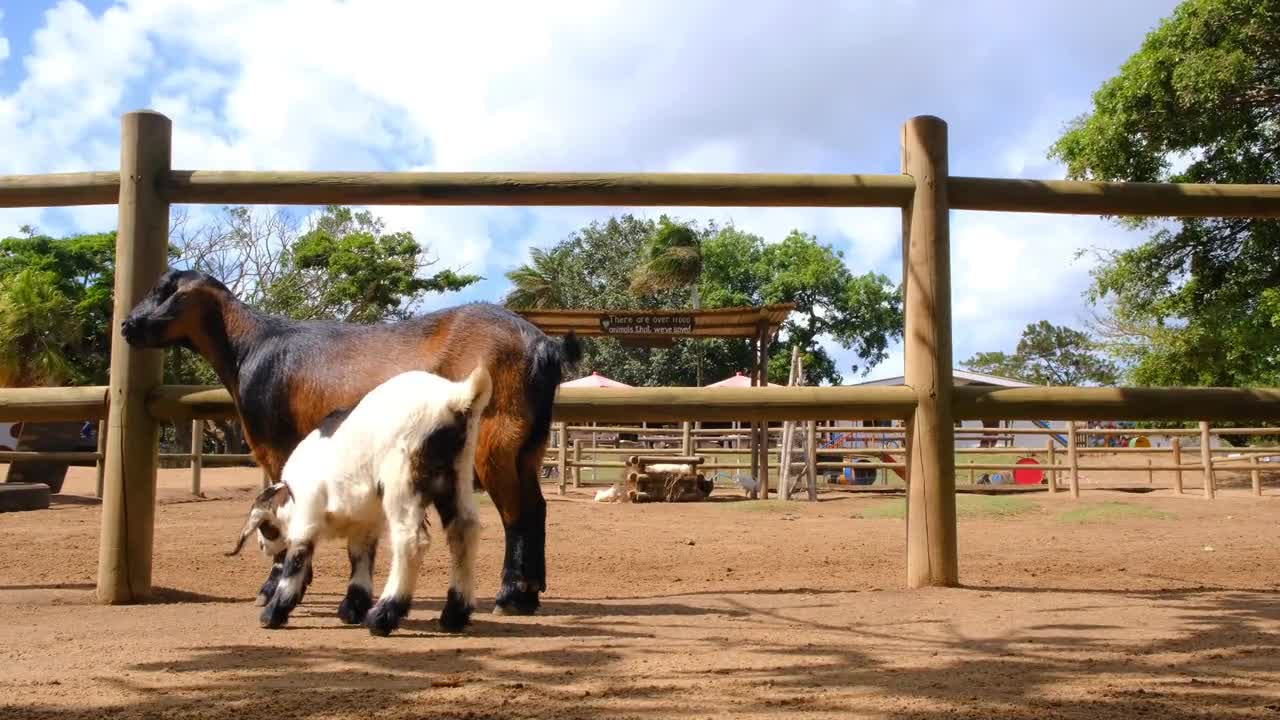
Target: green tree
672	258
1196	303
349	268
541	283
39	331
73	277
596	269
1049	354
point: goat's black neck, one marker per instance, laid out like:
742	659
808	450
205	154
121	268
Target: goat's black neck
233	330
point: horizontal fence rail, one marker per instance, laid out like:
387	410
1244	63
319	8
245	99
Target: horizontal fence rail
579	189
1072	403
53	404
59	189
674	404
1075	197
1072	197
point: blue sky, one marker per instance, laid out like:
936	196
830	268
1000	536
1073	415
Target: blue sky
605	85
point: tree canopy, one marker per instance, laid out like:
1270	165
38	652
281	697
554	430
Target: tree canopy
1049	354
1198	303
597	268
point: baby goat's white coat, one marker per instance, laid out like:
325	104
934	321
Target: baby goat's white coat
409	442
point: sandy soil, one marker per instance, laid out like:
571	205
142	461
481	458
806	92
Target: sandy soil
1169	608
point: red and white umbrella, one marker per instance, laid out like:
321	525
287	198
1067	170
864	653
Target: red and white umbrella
595	380
737	381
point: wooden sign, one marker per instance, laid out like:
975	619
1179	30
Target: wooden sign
642	324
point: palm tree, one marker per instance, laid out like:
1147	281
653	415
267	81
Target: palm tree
672	259
38	326
537	283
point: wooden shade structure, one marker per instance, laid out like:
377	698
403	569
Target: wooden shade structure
661	327
647	326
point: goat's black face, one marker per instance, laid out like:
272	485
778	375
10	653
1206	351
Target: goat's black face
162	318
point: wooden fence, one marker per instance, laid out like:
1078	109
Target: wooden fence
925	192
569	455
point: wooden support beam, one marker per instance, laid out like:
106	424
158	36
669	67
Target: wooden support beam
932	556
133	435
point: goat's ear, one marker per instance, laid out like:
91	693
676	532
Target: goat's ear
257	518
271	496
472	395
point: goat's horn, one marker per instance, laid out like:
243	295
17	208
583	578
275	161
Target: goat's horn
256	517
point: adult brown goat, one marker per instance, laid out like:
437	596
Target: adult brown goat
286	376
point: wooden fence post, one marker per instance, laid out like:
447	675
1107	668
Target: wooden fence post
197	455
1051	457
101	464
932	557
1176	445
811	460
1073	460
1255	475
133	436
1206	460
577	458
562	460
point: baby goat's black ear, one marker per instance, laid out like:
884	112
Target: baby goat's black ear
258	518
272	495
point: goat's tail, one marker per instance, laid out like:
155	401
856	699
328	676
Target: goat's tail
548	361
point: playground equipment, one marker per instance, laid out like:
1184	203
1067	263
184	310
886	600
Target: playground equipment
666	478
1062	439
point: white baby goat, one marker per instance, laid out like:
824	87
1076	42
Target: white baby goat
409	443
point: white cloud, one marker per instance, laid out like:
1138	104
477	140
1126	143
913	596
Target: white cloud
596	85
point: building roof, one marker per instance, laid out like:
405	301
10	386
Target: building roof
959	377
739	322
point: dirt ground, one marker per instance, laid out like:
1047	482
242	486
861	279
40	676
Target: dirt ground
1116	605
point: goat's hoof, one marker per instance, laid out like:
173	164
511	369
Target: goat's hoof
273	617
512	600
456	614
355	606
386	616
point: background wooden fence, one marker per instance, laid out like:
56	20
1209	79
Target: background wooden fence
925	192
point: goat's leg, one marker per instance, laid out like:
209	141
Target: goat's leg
409	542
293	584
269	586
461	524
361	551
513	487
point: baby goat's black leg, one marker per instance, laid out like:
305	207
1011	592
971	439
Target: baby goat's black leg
359	596
268	588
